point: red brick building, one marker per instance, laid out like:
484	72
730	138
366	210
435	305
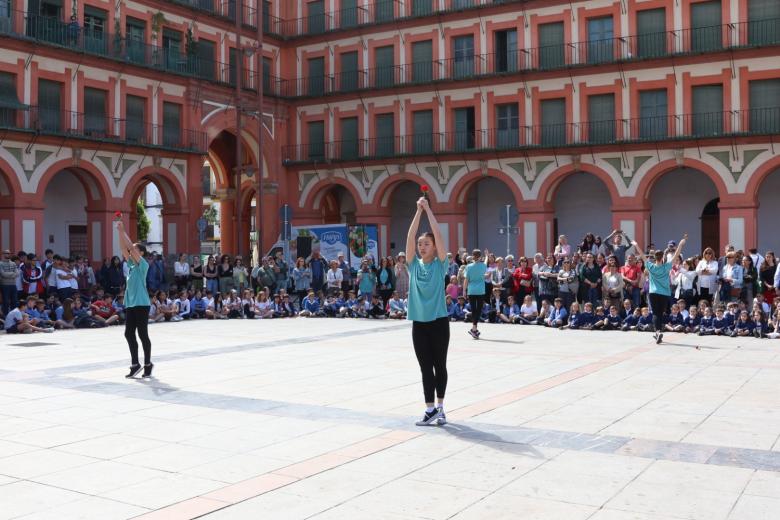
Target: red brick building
654	116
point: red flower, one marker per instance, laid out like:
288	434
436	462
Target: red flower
118	215
425	188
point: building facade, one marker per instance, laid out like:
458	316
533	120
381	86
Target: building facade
652	116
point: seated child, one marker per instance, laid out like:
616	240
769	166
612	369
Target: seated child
510	311
744	325
574	317
632	320
558	315
528	311
692	323
544	313
612	321
645	323
587	318
599	319
674	322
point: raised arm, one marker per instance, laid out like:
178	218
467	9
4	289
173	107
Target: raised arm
680	246
435	229
639	252
126	245
411	236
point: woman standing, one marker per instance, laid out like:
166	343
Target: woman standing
612	284
225	274
181	272
767	276
428	312
707	269
115	277
385	281
749	280
196	273
240	276
474	288
210	273
136	303
401	271
301	278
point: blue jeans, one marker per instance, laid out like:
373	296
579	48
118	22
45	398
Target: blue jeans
593	296
635	295
212	285
10	298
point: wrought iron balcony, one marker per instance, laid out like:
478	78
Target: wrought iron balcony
96	127
750	122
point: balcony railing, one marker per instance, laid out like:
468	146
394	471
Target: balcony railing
79	125
225	9
751	122
590	53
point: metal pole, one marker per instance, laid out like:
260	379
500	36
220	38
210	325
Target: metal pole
508	227
260	95
239	152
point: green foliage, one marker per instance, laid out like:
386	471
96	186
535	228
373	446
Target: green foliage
210	214
143	223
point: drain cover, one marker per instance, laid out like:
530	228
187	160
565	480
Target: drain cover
32	344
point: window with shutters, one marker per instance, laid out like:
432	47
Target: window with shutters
9	101
135	41
385	138
384	10
601	118
422	61
763	22
172	124
653	114
95	30
267	17
205	59
315	17
507	56
384	73
173	57
651	33
95	121
706	28
765	106
463	56
462	4
316	140
50	117
6	20
422	137
232	67
348	14
349	138
553	122
268	85
707	119
135	118
464	137
601	42
348	79
551	46
316	86
45	22
507	126
422	7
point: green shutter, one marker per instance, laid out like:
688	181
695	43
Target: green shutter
601	118
316	140
601	42
651	33
172	124
653	114
8	96
551	45
707	110
205	56
135	117
232	66
385	140
315	16
95	112
422	61
463	56
422	7
384	10
268	86
464	128
384	74
422	139
553	130
316	79
763	22
348	13
349	138
765	106
706	29
50	105
507	129
348	79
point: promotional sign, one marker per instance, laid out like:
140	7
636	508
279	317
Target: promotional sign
363	241
354	242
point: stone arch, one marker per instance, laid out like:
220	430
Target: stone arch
649	179
96	188
465	183
384	191
321	188
759	176
553	180
10	188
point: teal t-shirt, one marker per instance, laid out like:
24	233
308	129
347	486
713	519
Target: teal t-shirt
659	278
475	276
136	294
426	290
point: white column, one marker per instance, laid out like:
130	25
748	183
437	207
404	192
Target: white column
97	240
170	239
737	232
28	235
5	234
529	239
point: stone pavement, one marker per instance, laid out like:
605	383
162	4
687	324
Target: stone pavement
290	419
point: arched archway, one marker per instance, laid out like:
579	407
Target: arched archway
677	202
582	205
337	206
166	210
484	201
769	212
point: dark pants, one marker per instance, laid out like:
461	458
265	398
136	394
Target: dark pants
431	340
659	305
475	302
137	319
10	298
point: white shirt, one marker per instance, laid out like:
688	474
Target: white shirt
528	309
335	278
757	260
184	306
684	281
74	282
14	317
62	284
181	269
708	281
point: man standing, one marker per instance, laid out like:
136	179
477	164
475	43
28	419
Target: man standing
660	285
346	274
616	247
8	274
136	303
631	277
318	267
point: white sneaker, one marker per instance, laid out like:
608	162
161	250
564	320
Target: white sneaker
49	330
442	420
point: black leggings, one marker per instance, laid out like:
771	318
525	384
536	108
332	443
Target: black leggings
659	305
431	340
475	302
137	318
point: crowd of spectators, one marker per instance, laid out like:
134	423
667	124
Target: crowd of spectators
594	285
